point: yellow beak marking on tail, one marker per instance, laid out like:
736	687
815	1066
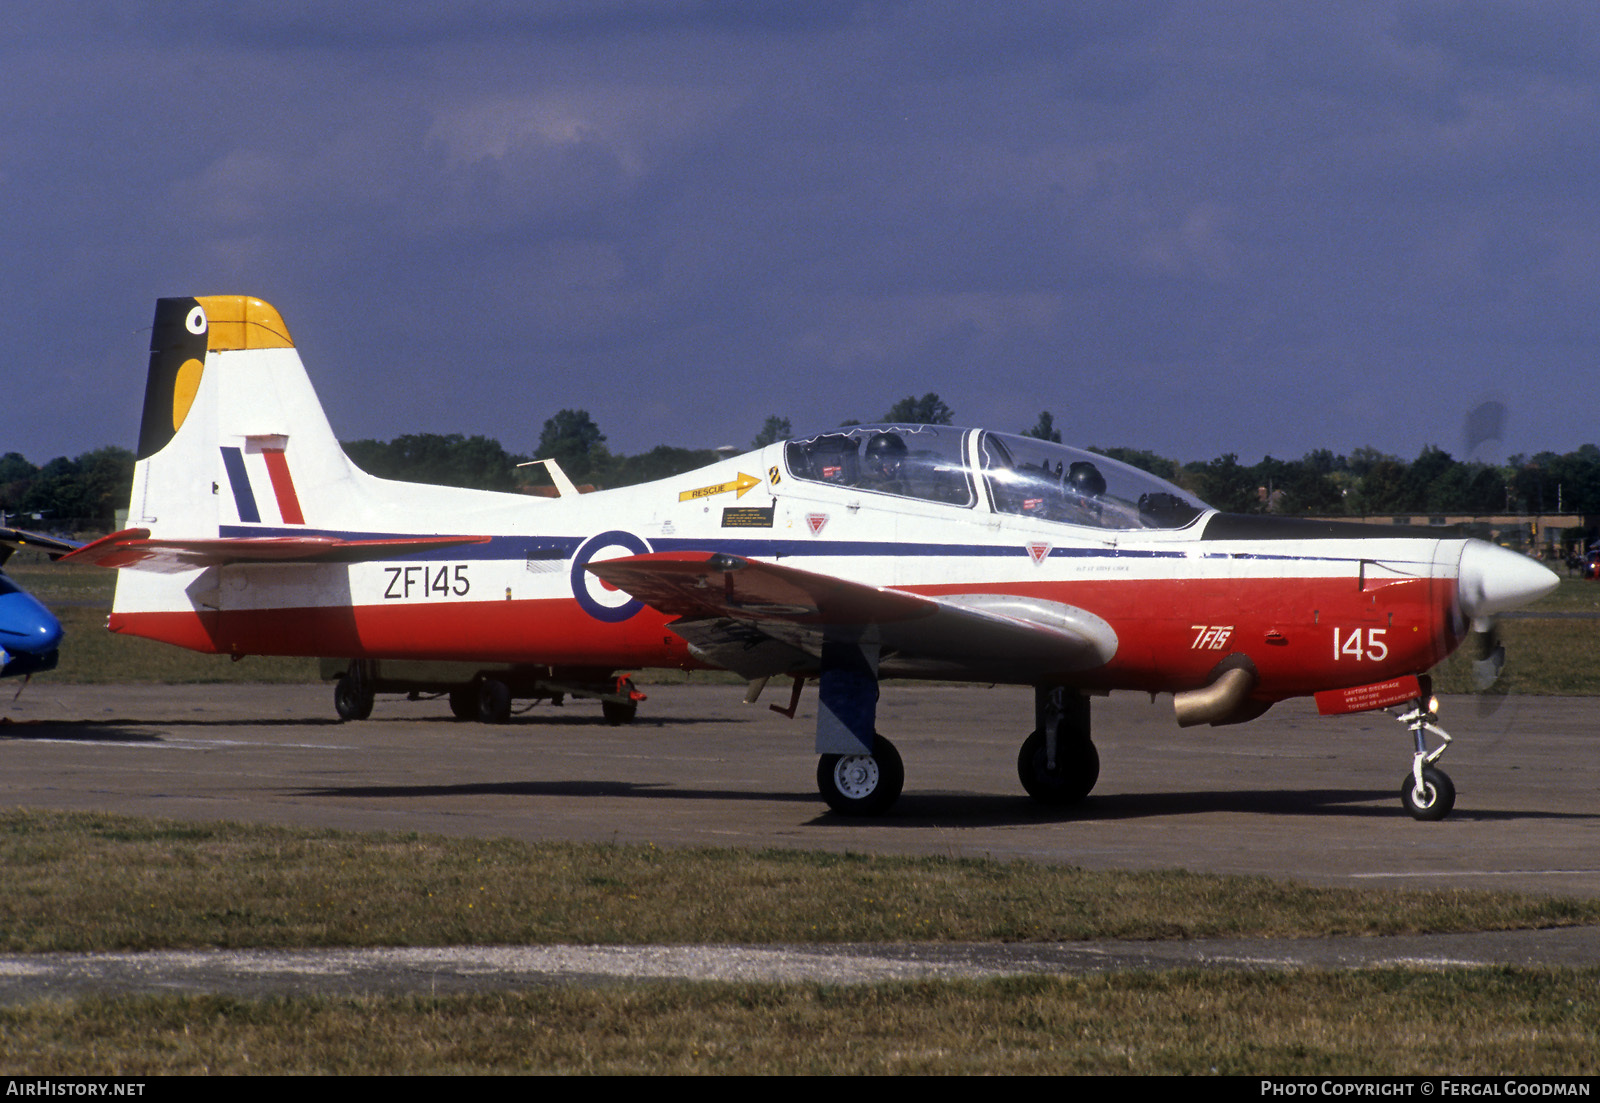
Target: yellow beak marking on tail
243	322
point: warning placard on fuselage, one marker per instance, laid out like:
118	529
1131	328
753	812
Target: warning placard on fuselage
747	517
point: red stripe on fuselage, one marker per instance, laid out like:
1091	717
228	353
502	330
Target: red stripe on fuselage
283	487
552	632
1303	635
1169	638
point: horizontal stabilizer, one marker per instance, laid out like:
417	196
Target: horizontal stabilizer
16	539
134	548
759	618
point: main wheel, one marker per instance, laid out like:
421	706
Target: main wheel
1077	769
862	784
1437	798
494	701
352	700
464	703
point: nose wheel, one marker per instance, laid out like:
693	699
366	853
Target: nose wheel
1429	798
1427	791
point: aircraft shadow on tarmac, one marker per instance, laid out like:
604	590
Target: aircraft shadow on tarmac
603	788
95	731
991	810
944	810
547	720
129	730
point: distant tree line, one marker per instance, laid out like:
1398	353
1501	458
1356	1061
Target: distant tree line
1368	482
66	495
571	438
84	493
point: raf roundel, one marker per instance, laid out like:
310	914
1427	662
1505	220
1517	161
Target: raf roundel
596	598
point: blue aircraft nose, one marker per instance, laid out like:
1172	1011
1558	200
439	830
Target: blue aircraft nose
29	635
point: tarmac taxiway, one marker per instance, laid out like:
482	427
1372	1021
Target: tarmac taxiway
1290	795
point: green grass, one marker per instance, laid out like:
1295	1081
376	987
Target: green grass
1387	1022
1544	657
96	882
83	882
1551	648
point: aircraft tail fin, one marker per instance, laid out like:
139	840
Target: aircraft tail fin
234	442
232	433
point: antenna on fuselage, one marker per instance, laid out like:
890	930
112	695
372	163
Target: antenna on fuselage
559	477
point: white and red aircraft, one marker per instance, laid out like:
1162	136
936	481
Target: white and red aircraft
865	553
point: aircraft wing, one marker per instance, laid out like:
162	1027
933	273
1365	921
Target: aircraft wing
134	548
760	619
54	547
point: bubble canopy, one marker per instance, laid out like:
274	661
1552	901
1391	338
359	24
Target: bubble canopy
1002	472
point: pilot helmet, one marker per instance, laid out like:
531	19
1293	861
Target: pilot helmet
1085	480
885	453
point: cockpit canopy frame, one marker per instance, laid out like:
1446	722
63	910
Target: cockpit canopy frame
1008	474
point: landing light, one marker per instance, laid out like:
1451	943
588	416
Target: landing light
1433	706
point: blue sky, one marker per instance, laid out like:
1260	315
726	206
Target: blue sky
1193	228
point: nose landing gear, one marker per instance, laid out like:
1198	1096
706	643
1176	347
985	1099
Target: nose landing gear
1427	791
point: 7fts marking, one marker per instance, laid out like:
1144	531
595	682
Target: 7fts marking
1210	637
424	581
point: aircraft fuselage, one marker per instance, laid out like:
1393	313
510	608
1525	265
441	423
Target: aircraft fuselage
1312	612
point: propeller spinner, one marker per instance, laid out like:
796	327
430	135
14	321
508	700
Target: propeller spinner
1492	579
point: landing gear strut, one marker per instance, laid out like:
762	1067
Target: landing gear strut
1427	791
858	772
1058	763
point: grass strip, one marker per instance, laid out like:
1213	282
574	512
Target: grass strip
83	882
1384	1022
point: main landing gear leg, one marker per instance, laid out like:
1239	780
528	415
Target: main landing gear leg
859	772
1427	791
1058	763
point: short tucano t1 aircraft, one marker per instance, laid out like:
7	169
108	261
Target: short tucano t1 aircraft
868	552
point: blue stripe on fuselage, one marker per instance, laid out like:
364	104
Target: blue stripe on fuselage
552	549
555	548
